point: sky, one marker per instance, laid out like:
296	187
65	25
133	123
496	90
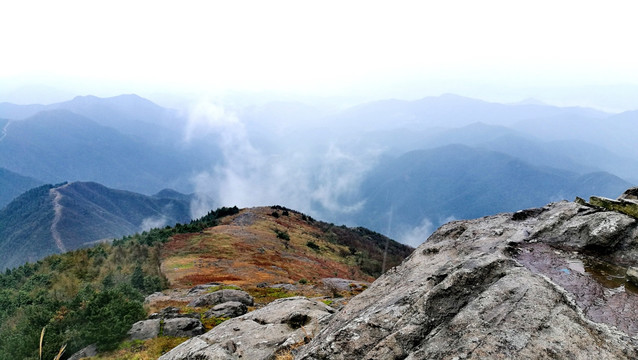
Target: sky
491	49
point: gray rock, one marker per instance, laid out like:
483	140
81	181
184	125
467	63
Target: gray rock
182	327
496	287
344	284
199	289
222	296
229	309
88	351
156	296
145	329
632	275
172	312
259	334
630	194
287	287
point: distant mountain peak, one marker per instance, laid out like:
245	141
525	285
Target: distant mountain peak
530	101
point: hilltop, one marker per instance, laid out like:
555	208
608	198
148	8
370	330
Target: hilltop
276	245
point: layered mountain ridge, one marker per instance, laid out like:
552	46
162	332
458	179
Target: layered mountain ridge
56	218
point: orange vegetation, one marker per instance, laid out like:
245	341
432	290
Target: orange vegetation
245	250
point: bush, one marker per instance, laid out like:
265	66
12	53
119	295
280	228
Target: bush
313	245
109	314
282	235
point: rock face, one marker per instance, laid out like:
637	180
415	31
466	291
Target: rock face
520	286
222	296
259	334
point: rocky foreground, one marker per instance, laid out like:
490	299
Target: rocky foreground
540	283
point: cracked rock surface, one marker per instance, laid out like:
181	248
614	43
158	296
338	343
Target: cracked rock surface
258	334
509	286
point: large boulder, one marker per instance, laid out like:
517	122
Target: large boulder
229	309
515	286
182	327
145	329
259	334
167	322
222	296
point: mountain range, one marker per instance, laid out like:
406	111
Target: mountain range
56	218
422	161
14	184
461	182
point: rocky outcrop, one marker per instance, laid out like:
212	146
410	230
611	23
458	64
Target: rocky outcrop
508	286
222	296
259	334
552	282
168	322
627	203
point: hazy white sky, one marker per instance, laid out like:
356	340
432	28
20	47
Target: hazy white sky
377	48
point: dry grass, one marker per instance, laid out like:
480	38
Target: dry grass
248	253
142	349
156	306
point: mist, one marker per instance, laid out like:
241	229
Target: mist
294	166
356	166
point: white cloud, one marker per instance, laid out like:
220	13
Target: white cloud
417	235
153	222
322	181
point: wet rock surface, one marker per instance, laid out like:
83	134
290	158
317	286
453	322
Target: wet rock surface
506	286
600	297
